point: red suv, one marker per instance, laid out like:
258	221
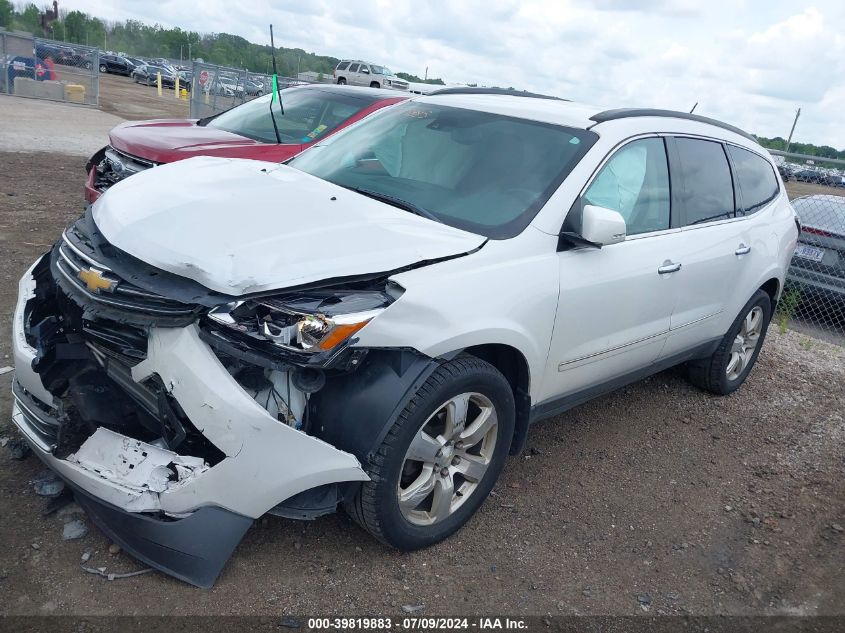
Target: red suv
311	113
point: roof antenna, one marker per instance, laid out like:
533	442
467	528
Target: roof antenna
276	94
691	111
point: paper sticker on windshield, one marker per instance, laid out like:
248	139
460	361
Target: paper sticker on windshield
314	133
574	140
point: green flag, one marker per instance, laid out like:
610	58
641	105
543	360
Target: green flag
275	90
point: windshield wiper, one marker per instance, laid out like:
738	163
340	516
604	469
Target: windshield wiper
397	202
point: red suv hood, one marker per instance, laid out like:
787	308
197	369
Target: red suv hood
169	140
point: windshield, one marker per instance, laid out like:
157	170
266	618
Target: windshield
481	172
309	115
380	70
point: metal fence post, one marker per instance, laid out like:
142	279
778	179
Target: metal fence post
4	78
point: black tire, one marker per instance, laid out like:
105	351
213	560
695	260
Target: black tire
710	373
341	82
103	68
374	84
375	505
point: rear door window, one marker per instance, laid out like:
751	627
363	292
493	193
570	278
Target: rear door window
758	185
707	193
353	68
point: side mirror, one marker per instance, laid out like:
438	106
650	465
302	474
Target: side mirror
602	226
365	70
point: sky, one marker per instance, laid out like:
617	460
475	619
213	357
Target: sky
751	63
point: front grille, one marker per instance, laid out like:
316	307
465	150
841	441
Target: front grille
114	292
116	166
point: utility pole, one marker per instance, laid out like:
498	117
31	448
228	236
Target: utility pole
789	140
426	74
190	58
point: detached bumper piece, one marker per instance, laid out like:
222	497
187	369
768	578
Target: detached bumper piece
193	549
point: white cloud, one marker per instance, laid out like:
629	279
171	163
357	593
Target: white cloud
749	63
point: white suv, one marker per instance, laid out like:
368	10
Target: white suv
358	73
377	323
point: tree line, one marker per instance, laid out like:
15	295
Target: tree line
822	151
136	38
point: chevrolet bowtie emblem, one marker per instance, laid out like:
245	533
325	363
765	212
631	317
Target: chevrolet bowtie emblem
95	282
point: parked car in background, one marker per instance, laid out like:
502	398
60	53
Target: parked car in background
311	113
250	88
818	266
785	172
147	74
116	65
65	55
358	73
223	85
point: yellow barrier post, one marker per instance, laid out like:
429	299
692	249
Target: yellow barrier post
158	82
184	94
176	87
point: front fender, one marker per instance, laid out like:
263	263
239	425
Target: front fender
355	411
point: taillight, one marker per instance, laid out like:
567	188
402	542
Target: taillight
814	231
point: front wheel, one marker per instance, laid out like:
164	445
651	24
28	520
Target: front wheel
729	366
440	459
102	68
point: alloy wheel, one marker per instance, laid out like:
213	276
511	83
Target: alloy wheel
447	458
745	343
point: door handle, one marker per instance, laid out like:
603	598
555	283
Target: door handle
742	250
668	267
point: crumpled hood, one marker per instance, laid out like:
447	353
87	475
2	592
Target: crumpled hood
243	226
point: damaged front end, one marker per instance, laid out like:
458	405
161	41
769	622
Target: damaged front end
178	414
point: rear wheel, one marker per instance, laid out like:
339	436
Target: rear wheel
724	371
103	68
341	81
441	458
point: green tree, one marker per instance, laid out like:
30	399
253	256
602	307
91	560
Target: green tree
7	11
29	20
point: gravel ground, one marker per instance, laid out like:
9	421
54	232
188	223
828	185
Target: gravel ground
35	125
657	498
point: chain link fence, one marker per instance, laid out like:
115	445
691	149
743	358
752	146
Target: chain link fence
218	88
813	300
47	69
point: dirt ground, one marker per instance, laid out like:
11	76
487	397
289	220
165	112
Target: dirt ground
657	498
124	98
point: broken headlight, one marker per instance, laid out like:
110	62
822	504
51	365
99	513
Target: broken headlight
316	321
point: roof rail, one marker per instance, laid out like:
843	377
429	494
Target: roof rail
491	91
627	113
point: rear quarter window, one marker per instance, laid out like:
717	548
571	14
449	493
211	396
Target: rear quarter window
343	65
758	185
